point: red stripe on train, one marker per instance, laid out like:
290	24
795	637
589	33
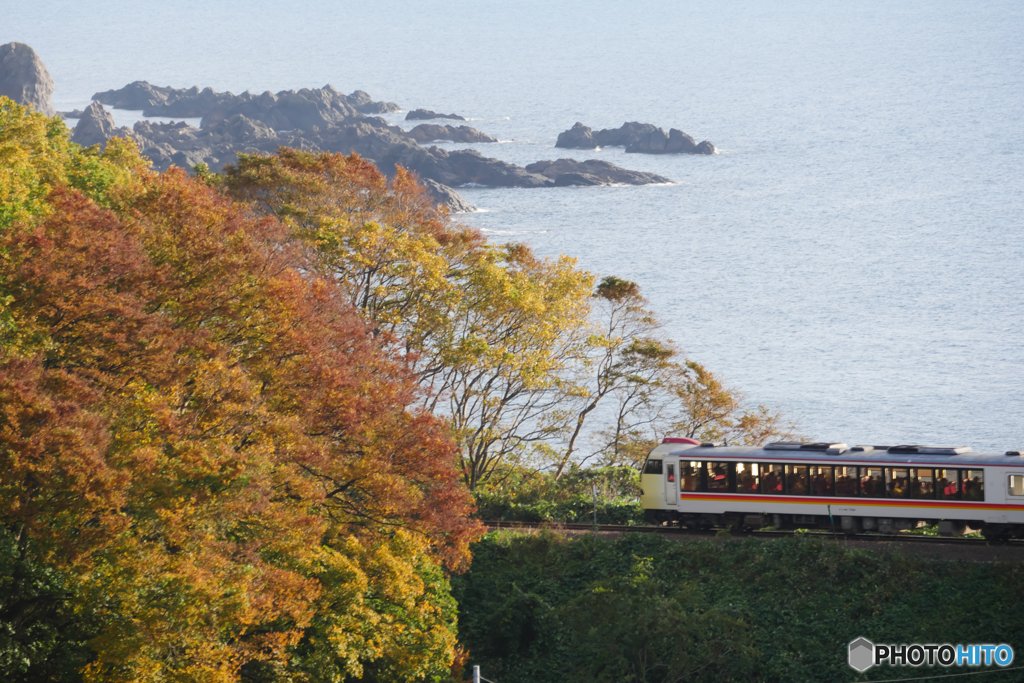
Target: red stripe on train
876	502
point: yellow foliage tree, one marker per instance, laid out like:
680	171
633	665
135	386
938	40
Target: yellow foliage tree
489	330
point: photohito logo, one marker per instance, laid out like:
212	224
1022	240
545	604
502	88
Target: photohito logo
864	654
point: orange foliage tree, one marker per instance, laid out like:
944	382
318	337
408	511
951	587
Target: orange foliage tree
198	428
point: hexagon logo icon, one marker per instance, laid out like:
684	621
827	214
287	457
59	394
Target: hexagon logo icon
862	654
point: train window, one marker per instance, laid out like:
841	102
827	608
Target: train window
652	467
973	484
771	479
871	484
689	476
718	476
897	482
946	485
796	480
846	481
922	484
747	479
1016	485
822	480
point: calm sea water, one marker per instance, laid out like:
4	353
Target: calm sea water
855	253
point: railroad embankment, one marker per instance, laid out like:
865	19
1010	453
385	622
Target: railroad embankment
545	606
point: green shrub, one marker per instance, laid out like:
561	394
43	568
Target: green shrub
577	510
524	495
545	608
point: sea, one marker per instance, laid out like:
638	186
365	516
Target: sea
854	253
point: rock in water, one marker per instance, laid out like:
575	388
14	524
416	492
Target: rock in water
428	132
455	202
24	78
637	138
566	172
704	148
680	142
577	137
426	114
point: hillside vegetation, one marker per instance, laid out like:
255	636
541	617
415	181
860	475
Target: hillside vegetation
640	608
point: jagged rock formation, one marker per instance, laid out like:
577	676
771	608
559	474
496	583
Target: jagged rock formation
426	114
639	138
183	145
566	172
192	102
287	110
24	78
135	96
96	126
429	132
364	105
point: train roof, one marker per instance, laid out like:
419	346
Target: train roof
937	456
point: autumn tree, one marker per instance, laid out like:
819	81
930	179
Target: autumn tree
647	389
205	439
488	329
36	155
504	378
707	409
390	248
625	365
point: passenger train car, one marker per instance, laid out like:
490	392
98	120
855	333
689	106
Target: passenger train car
832	485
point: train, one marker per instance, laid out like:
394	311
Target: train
700	485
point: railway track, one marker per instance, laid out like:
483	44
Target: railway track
824	534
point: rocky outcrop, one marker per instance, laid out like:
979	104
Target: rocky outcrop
135	96
96	126
443	194
577	137
362	103
426	114
216	146
24	78
429	132
288	109
191	103
322	119
195	103
565	172
705	147
637	138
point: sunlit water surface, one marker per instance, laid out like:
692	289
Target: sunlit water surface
854	254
